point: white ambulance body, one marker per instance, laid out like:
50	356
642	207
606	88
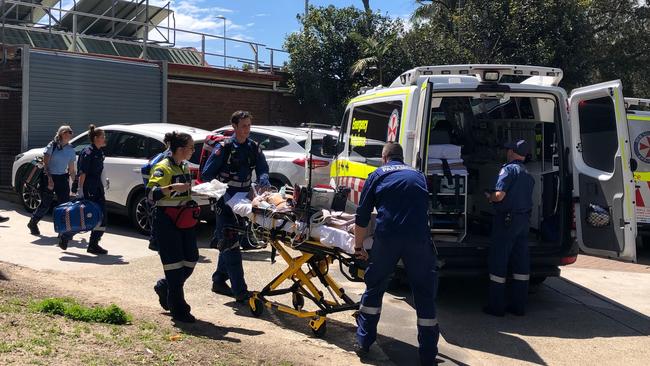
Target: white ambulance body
450	120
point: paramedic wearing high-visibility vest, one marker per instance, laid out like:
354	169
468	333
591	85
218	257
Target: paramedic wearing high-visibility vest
512	200
145	170
91	182
169	187
399	193
233	162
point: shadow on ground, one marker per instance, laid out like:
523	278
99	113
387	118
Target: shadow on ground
557	308
206	329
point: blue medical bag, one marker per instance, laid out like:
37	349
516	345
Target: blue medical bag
76	216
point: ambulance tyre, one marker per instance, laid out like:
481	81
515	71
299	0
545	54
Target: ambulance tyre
298	301
259	307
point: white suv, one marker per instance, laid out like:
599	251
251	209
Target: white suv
284	149
128	148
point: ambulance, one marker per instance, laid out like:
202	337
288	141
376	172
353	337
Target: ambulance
452	121
638	122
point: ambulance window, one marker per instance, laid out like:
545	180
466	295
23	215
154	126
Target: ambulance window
372	126
598	135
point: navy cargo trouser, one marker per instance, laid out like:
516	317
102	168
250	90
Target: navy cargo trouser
61	189
420	263
509	250
178	254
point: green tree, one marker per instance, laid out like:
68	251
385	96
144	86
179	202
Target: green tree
322	55
373	53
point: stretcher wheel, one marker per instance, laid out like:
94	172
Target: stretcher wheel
318	326
256	306
298	301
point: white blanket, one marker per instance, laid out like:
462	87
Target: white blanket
326	235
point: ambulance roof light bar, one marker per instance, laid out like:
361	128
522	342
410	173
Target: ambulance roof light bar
484	72
637	102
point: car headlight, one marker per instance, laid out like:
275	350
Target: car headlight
18	156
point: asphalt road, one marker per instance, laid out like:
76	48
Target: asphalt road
574	319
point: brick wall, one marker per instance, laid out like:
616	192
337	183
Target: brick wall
210	107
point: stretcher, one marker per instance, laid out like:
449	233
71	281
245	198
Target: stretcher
306	274
308	263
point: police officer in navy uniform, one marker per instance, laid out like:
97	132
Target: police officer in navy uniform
512	200
399	193
91	183
233	162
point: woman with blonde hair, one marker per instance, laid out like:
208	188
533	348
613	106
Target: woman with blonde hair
58	171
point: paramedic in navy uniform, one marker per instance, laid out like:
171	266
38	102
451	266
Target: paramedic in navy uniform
399	193
512	199
233	162
91	183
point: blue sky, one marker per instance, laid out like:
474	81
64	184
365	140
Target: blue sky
262	21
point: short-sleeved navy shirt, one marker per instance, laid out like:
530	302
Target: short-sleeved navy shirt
518	185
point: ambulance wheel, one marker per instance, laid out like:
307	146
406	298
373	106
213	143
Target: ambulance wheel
298	301
256	306
320	331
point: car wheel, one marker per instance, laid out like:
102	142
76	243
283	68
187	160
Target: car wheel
140	212
30	196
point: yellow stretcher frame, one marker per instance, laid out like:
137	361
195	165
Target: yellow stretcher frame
318	258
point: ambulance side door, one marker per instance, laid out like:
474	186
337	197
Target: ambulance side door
603	184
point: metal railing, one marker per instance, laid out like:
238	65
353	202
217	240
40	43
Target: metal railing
167	34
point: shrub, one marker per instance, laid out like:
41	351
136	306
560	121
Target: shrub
69	308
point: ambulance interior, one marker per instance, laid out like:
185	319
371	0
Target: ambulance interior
464	157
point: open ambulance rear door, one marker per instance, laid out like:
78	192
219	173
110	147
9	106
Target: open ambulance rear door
638	123
604	188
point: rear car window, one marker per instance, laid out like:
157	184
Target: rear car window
316	145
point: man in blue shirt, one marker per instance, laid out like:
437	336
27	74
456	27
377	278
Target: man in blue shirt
512	200
233	162
400	195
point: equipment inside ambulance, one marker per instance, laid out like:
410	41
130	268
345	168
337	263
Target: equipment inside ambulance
451	122
638	122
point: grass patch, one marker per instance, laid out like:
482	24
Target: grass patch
69	308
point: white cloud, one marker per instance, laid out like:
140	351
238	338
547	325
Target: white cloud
262	15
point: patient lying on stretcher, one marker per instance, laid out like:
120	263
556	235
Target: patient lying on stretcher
330	228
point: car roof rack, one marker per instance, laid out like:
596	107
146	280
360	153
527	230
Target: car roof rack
637	102
550	76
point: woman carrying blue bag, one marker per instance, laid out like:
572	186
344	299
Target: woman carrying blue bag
91	184
58	166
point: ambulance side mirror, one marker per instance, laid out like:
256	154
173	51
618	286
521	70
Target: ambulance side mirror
329	146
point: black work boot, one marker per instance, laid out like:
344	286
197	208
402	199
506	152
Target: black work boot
221	288
33	228
161	291
63	243
94	248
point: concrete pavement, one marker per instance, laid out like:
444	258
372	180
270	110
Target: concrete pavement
589	316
